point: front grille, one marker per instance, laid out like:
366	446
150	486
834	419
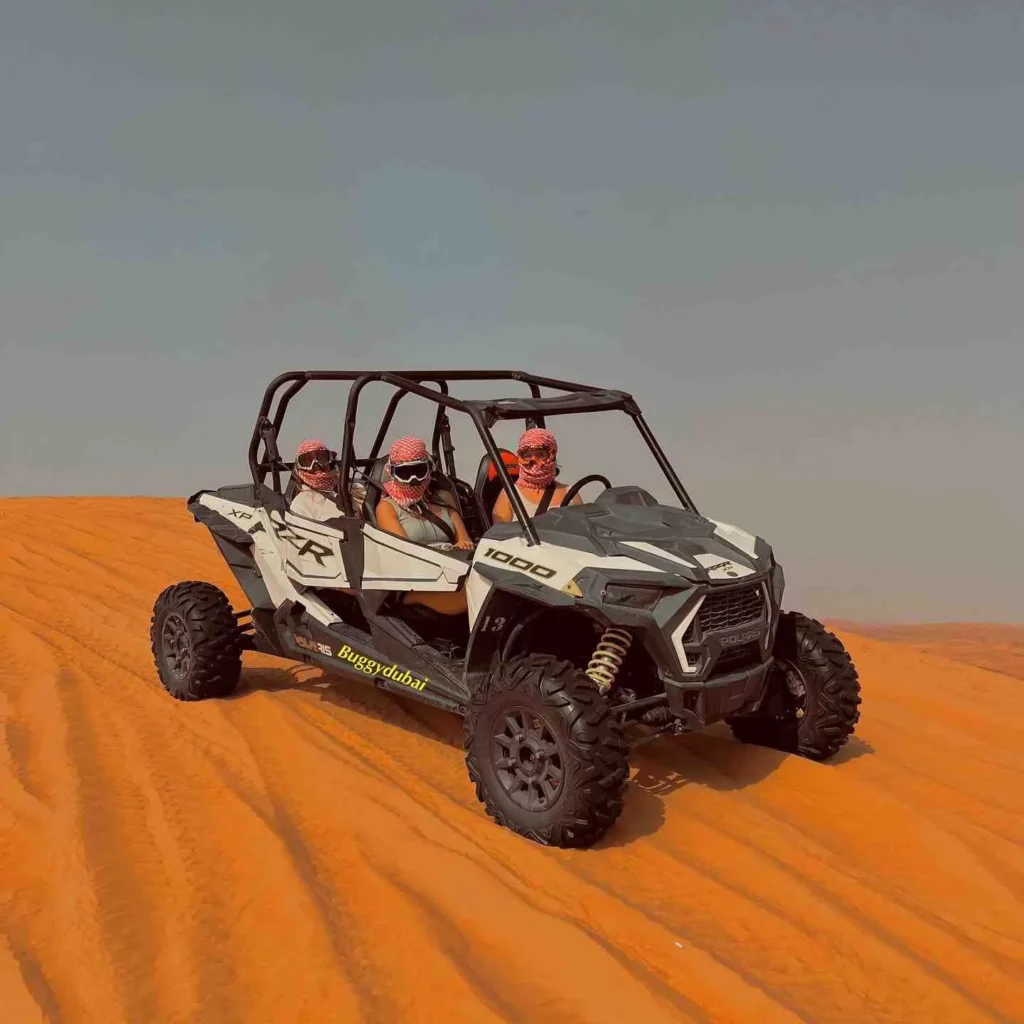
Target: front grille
737	660
727	608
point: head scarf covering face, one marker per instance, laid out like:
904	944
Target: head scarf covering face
319	480
538	475
406	449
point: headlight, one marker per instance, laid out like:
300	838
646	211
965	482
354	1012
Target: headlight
631	595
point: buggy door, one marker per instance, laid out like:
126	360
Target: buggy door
318	554
395	563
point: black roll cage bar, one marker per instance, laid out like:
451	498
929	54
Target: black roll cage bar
483	413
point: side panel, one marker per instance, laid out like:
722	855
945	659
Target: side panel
500	612
348	651
227	525
546	564
549	564
478	588
255	524
239	557
310	551
394	563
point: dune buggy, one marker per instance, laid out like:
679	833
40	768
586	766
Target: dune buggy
590	627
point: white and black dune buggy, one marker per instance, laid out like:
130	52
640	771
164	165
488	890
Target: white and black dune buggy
590	627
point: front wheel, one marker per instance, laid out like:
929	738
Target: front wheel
813	701
196	642
547	756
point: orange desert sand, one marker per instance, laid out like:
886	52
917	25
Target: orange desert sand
313	851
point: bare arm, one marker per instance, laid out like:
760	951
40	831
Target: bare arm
502	511
462	538
387	519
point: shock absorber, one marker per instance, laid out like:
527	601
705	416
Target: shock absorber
608	657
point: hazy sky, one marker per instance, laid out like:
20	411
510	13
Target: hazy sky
794	231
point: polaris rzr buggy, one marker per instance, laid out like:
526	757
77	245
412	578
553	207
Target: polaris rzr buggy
590	627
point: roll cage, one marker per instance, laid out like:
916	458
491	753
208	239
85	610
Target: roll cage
574	398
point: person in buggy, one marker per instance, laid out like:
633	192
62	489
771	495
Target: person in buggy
537	482
410	508
316	477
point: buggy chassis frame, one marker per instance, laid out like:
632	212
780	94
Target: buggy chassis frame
576	398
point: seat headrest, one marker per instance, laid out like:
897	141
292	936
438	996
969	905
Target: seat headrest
487	472
488	483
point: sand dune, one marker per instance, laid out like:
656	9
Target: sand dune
312	851
994	646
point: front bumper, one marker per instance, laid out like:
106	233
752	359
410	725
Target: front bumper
699	704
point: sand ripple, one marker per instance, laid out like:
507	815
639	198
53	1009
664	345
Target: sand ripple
308	851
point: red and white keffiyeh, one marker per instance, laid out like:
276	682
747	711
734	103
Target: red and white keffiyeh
537	475
407	449
319	480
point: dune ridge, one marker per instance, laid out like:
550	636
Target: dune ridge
312	850
996	646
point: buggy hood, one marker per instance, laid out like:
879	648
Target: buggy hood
668	539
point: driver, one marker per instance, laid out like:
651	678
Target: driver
317	477
538	476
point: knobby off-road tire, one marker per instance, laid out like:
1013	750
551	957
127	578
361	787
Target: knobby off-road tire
808	656
195	641
547	756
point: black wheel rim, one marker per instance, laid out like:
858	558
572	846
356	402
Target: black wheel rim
527	760
795	693
177	646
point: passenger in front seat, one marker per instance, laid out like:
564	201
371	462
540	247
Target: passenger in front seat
406	508
407	511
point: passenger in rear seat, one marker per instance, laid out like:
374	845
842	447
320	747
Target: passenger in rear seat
317	475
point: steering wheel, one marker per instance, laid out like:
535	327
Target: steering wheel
581	483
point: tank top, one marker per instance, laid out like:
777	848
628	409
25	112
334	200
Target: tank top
420	530
532	506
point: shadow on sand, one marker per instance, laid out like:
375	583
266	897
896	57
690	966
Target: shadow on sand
712	758
355	695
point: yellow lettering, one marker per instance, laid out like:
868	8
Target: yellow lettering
369	667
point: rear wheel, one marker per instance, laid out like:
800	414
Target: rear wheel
196	642
813	700
548	758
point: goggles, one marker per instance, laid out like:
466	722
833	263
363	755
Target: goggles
317	461
535	456
411	472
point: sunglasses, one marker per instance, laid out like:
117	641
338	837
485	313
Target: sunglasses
411	472
531	456
317	460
